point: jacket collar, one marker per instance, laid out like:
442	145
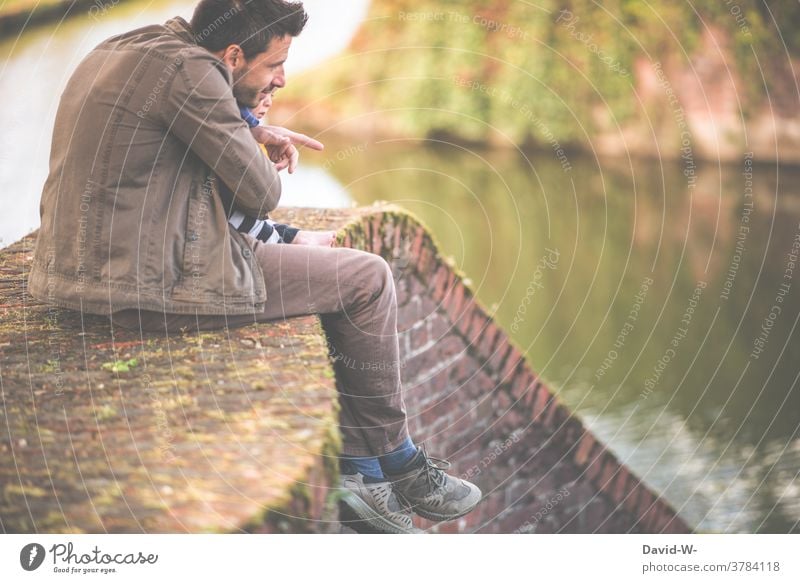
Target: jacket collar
183	29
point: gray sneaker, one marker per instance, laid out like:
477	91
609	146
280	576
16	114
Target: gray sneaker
374	505
426	489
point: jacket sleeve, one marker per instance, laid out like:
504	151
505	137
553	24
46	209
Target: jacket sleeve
200	110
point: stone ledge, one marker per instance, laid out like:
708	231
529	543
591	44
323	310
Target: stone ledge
229	430
210	443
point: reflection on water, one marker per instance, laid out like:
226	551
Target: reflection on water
630	295
36	66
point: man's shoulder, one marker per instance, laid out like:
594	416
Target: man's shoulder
170	40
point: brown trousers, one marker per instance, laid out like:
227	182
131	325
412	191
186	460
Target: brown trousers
354	293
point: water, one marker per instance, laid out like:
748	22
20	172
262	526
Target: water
565	259
604	271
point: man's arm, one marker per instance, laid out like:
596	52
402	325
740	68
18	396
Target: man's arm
200	110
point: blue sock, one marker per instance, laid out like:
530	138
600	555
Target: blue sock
394	461
369	467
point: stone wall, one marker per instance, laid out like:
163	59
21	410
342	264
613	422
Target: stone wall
104	429
109	430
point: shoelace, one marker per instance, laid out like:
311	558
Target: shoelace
433	472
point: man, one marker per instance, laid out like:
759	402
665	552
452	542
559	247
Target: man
147	131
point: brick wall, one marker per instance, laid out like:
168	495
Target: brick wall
473	398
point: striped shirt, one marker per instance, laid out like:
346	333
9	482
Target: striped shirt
265	230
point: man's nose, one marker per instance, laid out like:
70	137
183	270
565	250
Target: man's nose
279	80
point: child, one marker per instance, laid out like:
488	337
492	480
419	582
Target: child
267	230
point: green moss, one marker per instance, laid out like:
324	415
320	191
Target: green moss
51	366
27	491
105	413
120	366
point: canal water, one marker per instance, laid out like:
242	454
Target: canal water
663	313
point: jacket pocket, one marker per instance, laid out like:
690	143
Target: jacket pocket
197	239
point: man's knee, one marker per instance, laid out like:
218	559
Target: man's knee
375	274
381	273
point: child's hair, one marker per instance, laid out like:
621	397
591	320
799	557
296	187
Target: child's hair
251	24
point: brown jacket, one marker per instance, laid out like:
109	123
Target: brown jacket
131	214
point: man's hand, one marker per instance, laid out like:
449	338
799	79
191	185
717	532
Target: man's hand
282	145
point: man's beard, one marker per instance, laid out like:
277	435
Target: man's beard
246	96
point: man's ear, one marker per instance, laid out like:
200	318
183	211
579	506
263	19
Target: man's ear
233	56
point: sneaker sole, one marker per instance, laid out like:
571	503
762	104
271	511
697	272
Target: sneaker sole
366	514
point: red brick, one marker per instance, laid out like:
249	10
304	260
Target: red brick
481	384
462	369
570	429
486	342
471	521
453	297
447	348
367	228
421	364
543	399
606	479
448	527
596	514
653	518
620	488
425	261
485	409
556	415
477	327
513	419
501	401
418	337
584	449
595	466
455	303
465	322
429	416
399	228
439	282
439	382
419	238
675	526
440	293
377	234
499	353
523	382
514	361
401	288
646	500
440	327
630	502
449	287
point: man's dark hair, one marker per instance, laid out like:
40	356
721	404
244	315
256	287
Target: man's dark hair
251	24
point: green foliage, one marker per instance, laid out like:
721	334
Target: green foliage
534	72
